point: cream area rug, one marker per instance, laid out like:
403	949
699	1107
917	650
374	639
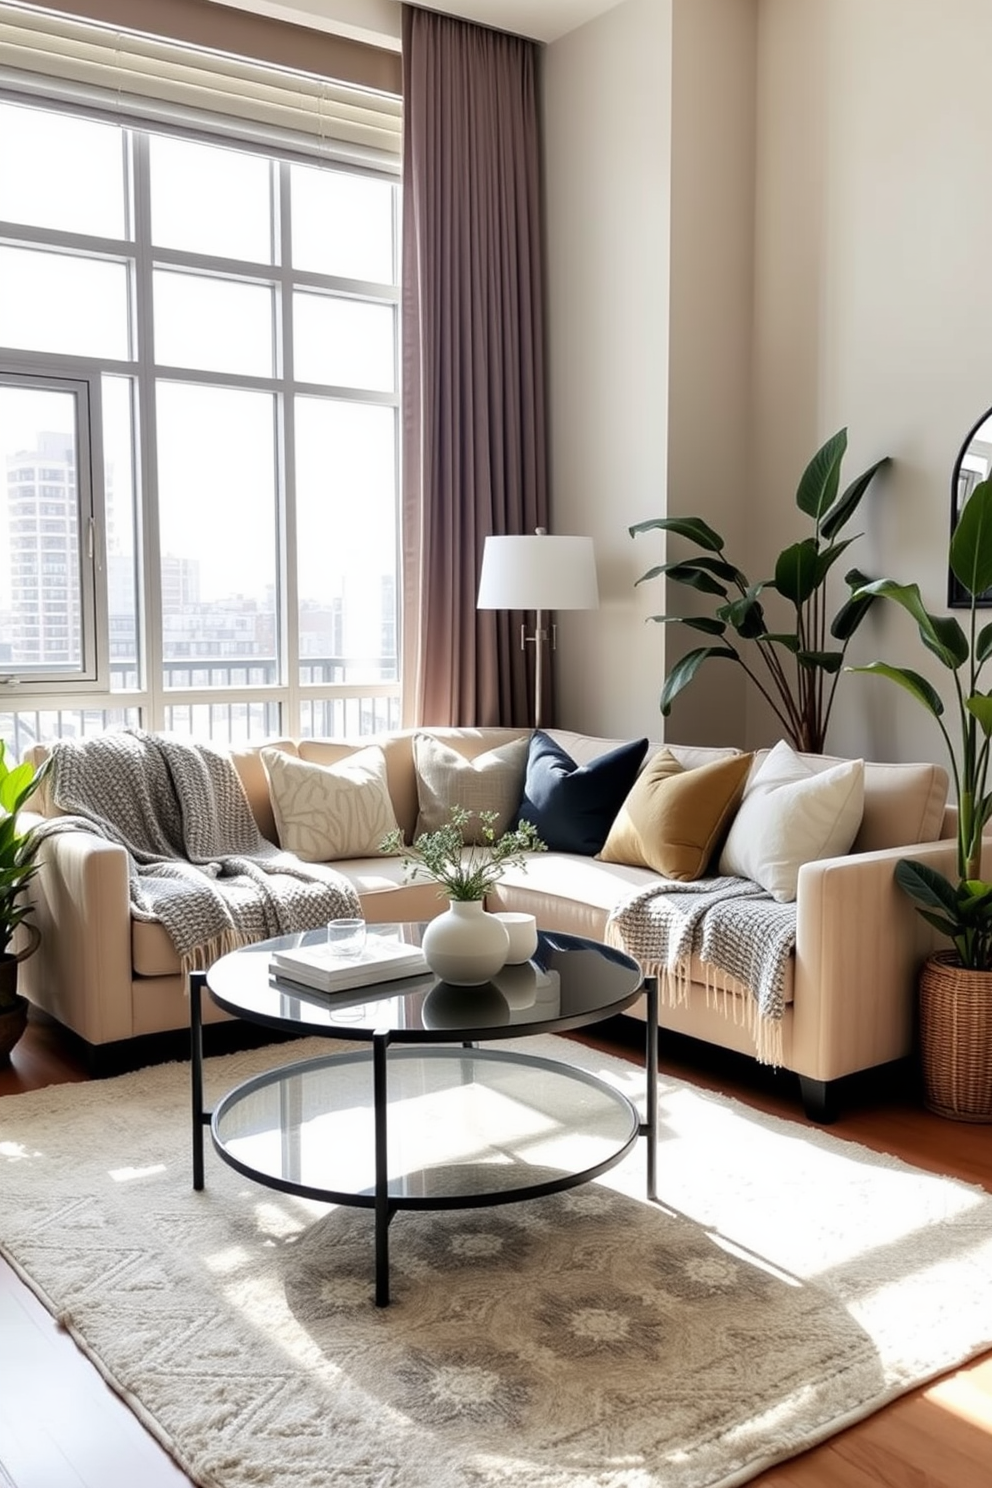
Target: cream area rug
786	1285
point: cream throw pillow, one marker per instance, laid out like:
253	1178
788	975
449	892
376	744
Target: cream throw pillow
673	820
324	812
792	815
493	781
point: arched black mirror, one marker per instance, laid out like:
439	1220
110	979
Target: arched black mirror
973	464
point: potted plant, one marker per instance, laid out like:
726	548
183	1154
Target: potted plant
18	847
795	670
956	984
464	944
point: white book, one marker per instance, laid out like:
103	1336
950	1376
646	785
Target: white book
317	966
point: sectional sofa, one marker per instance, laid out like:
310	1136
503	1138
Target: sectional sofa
850	988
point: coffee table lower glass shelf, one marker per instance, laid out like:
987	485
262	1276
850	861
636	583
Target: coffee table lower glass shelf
466	1127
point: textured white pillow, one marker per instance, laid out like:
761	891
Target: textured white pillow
325	812
493	781
792	815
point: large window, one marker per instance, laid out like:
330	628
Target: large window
198	435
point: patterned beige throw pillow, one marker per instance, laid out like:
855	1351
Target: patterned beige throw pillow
493	781
325	812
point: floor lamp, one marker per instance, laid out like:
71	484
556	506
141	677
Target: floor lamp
539	573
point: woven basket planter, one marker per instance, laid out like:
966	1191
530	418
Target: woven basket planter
956	1039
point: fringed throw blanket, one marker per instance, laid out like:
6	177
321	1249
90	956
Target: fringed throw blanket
197	861
735	928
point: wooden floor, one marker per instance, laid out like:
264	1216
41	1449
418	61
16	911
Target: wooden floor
62	1427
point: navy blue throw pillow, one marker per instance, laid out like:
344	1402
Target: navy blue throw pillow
573	806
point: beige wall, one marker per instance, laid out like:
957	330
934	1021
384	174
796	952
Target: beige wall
872	236
873	291
650	192
607	113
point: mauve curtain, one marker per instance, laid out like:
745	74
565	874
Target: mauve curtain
474	438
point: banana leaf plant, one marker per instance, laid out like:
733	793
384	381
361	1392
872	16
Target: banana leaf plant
961	909
797	669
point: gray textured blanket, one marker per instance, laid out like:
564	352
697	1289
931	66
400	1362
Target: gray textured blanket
735	928
197	861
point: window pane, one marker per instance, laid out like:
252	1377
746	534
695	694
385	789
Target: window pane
61	171
40	589
210	200
216	325
342	224
346	523
344	343
122	553
217	522
52	302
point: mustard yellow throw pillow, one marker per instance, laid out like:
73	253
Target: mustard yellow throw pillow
674	820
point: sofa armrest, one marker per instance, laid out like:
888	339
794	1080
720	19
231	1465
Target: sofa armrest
859	945
81	972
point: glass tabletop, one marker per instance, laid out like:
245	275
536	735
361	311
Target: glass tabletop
463	1126
569	982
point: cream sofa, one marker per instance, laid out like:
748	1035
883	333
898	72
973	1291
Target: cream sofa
850	995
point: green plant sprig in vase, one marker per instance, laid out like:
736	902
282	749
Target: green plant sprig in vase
465	872
795	670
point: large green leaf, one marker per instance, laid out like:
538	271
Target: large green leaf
694	577
818	484
795	571
821	661
983	644
745	614
694	528
941	634
704	623
923	691
851	499
784	638
970	552
855	607
979	705
827	557
927	886
684	670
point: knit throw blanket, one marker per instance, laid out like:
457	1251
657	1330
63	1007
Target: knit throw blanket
197	860
736	929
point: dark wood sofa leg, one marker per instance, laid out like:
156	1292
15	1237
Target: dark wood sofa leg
819	1099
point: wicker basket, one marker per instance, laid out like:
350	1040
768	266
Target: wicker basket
956	1039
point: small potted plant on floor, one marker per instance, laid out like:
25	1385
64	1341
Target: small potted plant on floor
956	984
18	847
464	944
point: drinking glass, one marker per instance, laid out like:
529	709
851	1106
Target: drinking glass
346	938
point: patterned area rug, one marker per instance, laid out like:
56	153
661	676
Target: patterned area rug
788	1284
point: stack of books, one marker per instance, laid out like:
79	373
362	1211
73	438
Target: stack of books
317	967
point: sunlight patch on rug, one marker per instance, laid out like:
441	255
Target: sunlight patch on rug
787	1284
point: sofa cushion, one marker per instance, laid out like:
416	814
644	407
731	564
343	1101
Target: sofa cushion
326	812
674	820
792	815
573	806
491	781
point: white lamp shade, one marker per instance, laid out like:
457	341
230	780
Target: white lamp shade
539	572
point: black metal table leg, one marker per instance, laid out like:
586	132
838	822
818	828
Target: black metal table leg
651	1074
383	1211
197	982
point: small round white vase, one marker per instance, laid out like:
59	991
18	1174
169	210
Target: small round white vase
465	945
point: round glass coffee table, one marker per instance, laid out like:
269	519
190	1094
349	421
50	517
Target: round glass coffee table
421	1117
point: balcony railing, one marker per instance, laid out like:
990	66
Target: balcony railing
194	704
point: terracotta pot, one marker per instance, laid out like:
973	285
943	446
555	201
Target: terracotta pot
956	1039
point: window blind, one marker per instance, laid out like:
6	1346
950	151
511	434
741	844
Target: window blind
156	79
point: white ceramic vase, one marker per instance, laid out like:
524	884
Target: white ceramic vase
465	944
